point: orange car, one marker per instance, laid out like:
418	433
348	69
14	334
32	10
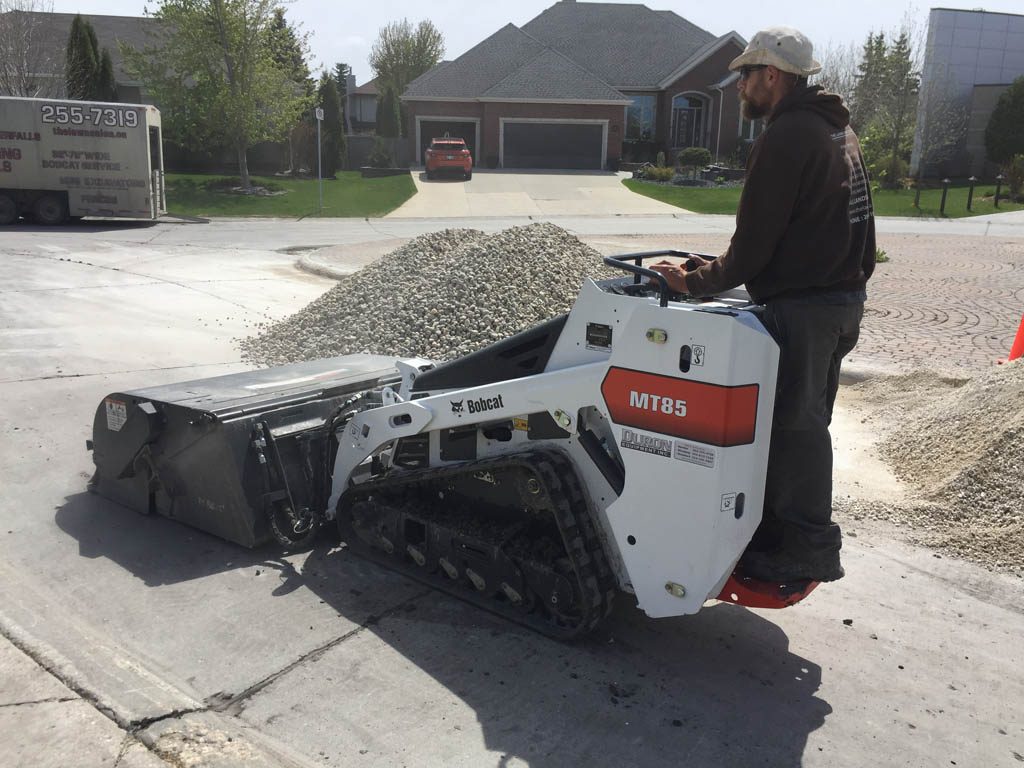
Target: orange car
451	155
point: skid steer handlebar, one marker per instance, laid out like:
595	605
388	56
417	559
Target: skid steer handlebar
638	271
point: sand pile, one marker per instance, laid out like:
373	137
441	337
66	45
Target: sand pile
960	447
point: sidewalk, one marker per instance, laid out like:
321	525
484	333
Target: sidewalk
47	725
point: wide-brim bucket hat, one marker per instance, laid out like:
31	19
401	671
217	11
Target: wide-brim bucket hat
786	48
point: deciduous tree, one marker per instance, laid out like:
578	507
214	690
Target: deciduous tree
29	65
401	53
213	70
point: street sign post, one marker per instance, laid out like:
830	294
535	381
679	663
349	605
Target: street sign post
319	172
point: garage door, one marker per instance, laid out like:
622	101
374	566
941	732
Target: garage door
436	129
553	145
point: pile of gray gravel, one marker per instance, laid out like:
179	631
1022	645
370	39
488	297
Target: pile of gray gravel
439	296
961	448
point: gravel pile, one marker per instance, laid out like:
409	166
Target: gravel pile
439	296
960	446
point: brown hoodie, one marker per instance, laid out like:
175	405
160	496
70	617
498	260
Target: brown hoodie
805	222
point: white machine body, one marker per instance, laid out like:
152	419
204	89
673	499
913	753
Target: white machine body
681	398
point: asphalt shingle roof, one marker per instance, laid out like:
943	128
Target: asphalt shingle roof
552	76
624	45
478	69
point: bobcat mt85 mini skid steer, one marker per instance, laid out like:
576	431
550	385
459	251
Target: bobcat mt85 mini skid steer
619	448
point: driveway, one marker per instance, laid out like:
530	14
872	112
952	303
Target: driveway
527	193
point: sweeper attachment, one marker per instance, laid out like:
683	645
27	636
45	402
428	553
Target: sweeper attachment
620	447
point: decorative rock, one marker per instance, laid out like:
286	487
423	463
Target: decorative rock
439	296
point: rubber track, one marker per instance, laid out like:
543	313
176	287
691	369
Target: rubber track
572	516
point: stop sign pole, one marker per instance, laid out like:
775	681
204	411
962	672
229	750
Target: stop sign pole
319	173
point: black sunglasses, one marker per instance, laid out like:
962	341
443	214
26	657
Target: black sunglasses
745	71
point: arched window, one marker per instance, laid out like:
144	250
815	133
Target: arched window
689	111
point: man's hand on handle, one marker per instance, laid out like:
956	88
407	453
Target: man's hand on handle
675	273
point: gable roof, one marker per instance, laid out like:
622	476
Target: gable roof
369	88
624	45
552	76
478	69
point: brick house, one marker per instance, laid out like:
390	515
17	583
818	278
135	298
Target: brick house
583	85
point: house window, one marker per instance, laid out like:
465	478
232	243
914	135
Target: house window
688	114
640	118
750	129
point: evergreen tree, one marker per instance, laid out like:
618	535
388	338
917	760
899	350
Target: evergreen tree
82	60
870	76
341	74
89	72
884	106
388	114
1004	135
897	108
333	132
288	48
106	89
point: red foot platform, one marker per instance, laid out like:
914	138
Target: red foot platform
742	590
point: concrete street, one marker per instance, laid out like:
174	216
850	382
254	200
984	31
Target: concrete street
130	640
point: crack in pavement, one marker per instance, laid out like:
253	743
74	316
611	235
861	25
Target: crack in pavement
151	281
114	373
231	704
51	700
155	278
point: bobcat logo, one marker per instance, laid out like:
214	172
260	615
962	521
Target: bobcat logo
457	407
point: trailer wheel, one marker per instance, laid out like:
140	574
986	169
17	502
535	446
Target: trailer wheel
50	210
8	210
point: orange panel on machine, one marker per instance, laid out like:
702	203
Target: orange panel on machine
692	410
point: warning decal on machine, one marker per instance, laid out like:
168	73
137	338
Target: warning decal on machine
714	414
117	414
695	454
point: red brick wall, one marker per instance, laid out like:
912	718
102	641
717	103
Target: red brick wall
492	112
699	80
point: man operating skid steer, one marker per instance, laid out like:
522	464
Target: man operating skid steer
804	246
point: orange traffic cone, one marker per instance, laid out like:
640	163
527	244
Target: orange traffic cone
1017	349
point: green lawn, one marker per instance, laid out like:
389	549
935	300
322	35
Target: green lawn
887	202
348	195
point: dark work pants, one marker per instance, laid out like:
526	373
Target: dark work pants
813	338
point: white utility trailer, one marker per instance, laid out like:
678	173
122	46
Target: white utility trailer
62	159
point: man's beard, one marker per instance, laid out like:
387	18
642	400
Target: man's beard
752	111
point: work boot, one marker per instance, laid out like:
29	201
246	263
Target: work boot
787	565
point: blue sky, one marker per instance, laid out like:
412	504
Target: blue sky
344	30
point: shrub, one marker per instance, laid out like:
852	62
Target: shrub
880	256
655	173
693	158
1014	173
381	156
